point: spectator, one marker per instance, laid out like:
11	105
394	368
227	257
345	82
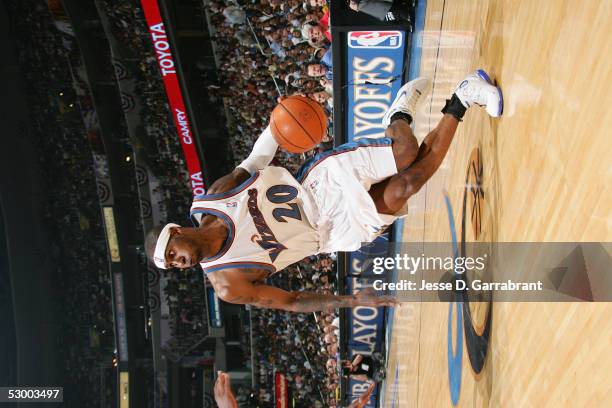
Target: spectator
316	34
234	15
364	368
397	11
319	70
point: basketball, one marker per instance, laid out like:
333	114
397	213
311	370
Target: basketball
298	124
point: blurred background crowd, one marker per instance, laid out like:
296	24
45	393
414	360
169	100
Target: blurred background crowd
298	345
158	137
266	49
184	293
70	207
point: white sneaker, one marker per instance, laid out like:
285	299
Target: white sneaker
478	89
407	98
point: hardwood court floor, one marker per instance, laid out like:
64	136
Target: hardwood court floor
546	176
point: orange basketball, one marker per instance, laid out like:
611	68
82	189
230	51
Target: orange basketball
298	124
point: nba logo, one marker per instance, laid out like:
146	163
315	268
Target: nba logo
375	39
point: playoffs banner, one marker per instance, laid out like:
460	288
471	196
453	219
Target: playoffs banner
280	391
375	66
166	64
365	323
374	71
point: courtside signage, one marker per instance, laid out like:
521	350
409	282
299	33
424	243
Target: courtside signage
281	393
163	53
376	57
120	321
373	78
365	323
375	39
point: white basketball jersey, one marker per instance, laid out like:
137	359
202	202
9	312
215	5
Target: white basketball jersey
270	218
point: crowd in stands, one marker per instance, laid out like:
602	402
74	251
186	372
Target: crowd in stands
184	293
71	212
158	135
298	345
266	50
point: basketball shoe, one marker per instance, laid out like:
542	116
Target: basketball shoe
478	89
407	99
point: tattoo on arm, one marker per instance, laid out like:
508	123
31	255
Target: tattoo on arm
306	302
241	300
265	296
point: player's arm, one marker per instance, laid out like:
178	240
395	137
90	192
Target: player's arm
243	291
262	154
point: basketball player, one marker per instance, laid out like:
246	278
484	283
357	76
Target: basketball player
259	219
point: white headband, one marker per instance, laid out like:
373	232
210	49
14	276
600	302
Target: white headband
159	257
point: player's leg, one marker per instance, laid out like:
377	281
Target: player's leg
398	119
368	164
405	145
391	194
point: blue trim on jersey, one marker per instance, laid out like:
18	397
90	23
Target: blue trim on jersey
230	226
233	191
230	265
344	148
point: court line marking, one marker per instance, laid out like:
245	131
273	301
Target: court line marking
394	398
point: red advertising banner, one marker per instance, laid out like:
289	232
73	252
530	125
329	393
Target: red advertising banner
166	64
280	391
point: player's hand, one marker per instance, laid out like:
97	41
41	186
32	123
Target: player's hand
223	392
369	297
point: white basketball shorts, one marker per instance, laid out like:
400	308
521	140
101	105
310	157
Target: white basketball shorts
338	181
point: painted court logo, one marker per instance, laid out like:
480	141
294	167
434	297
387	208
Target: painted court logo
375	39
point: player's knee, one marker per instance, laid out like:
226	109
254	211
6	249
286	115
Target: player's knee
405	148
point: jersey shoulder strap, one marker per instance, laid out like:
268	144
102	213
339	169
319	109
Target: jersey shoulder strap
228	194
